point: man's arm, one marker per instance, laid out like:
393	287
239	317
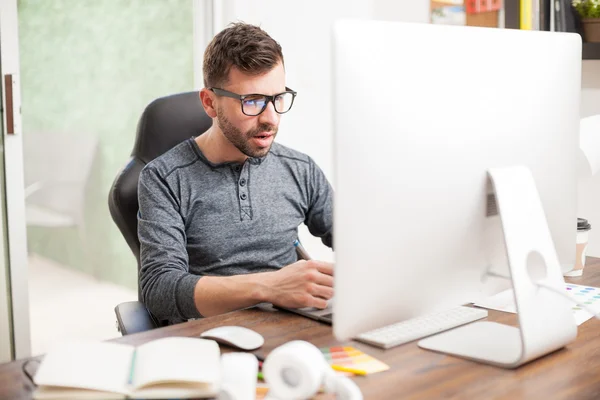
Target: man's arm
166	285
302	284
319	217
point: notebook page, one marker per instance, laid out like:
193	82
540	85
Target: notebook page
177	359
87	365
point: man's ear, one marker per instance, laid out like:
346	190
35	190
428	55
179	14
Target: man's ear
208	102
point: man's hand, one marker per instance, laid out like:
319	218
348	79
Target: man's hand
301	284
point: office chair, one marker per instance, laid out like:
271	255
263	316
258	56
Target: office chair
165	122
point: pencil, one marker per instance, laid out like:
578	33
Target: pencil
302	253
346	369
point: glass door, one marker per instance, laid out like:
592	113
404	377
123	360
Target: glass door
88	70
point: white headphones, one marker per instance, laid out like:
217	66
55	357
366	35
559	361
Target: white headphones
297	370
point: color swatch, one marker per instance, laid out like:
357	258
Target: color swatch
590	296
351	357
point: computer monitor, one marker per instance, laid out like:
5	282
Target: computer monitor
421	112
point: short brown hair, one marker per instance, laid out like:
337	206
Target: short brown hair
244	46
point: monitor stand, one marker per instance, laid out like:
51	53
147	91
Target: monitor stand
546	320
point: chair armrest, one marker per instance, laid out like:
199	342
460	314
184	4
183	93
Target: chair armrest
133	317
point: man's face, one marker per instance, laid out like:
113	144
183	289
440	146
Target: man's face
251	135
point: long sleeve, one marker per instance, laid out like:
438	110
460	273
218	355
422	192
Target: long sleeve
166	284
319	218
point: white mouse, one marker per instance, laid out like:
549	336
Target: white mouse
236	336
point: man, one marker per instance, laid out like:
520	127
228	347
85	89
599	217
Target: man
219	213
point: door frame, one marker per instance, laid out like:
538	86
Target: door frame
14	302
204	29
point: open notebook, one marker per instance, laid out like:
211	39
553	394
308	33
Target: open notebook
174	367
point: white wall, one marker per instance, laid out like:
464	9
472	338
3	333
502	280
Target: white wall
589	188
401	10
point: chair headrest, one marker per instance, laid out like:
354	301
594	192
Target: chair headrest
168	121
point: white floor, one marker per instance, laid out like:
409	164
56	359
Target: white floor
66	304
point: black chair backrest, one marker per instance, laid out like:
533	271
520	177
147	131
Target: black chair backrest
165	122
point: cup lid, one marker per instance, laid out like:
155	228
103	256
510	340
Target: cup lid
583	224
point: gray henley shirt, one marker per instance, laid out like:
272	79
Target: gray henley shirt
198	218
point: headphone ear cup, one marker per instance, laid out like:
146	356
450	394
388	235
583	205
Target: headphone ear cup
330	381
343	387
295	370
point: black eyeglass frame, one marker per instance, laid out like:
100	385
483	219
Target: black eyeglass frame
242	97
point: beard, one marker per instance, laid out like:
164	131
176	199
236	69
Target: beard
241	140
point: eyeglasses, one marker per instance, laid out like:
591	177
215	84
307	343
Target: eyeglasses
254	104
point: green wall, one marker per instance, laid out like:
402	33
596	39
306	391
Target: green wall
89	67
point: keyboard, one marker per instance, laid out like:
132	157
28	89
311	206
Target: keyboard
420	327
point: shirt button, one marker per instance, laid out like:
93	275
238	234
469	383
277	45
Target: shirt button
237	168
242	182
243	196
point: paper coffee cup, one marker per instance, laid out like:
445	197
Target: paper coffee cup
583	230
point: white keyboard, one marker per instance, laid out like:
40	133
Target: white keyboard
420	327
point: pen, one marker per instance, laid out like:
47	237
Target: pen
301	251
346	369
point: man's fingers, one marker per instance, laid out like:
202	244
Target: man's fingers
324	292
324	267
324	280
319	303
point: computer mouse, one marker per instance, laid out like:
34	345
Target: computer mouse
235	336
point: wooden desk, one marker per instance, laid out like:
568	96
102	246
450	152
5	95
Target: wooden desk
570	373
